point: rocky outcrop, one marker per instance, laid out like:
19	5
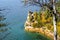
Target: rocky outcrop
42	30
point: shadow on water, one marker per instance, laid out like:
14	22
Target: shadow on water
36	36
40	37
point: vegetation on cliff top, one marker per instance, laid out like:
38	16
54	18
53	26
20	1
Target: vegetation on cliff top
44	18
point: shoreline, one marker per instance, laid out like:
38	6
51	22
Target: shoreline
41	30
45	32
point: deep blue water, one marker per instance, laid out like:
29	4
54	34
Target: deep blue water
16	14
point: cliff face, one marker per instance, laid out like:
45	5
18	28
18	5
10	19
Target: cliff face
35	19
31	19
40	23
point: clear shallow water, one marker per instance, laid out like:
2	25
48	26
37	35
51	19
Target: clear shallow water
16	14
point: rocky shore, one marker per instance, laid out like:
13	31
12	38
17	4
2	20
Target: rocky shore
42	30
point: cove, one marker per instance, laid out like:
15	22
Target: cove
16	13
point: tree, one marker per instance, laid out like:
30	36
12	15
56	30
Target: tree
50	5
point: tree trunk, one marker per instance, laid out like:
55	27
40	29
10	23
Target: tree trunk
55	31
54	20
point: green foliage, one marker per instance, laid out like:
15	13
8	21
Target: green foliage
45	18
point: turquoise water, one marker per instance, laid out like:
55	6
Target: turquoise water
16	13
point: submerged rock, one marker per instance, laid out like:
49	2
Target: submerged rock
2	18
3	30
3	24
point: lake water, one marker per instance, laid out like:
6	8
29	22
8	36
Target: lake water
16	13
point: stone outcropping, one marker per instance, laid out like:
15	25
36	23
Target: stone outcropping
43	30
